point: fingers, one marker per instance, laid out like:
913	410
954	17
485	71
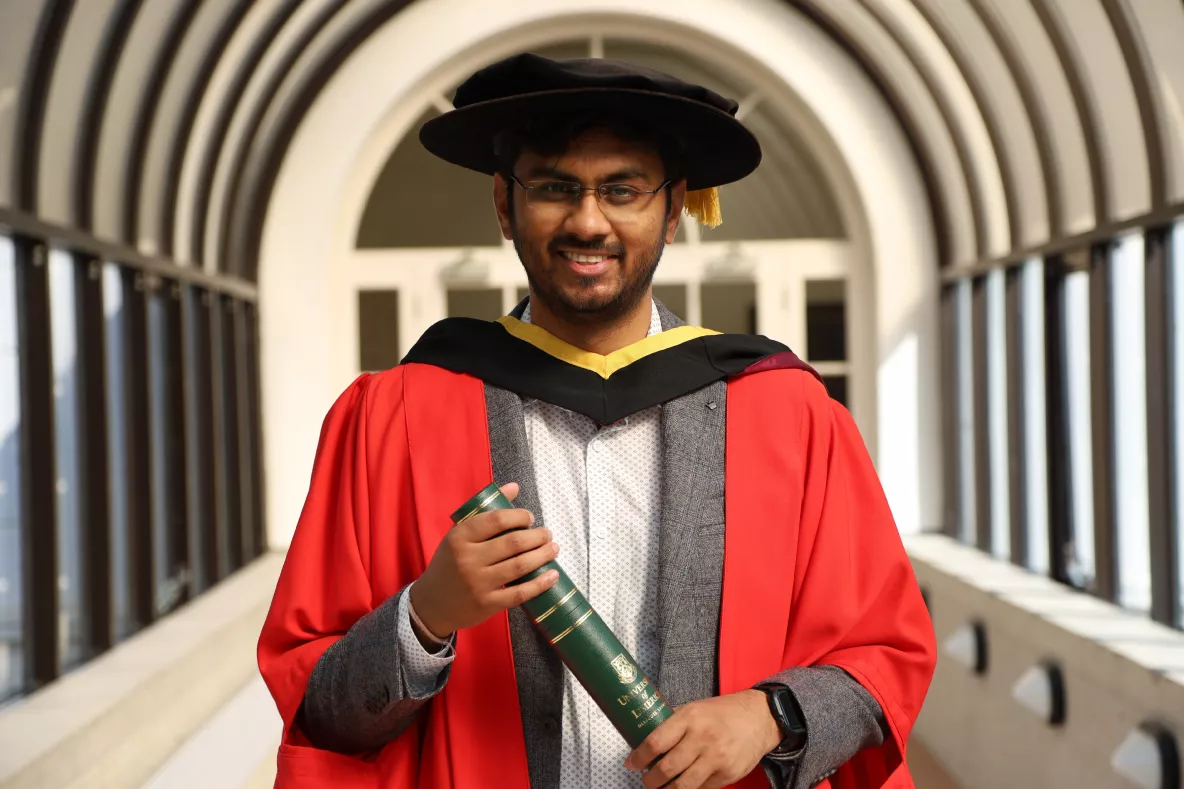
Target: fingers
513	544
661	740
514	596
517	566
674	764
698	776
510	490
480	528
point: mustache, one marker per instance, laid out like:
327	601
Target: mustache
600	246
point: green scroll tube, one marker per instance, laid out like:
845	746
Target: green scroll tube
584	642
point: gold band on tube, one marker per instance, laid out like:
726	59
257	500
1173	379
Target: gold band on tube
553	608
567	632
480	506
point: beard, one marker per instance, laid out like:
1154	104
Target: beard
584	305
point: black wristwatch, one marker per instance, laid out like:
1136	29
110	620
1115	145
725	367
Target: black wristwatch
788	714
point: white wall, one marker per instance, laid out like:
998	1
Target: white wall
1119	670
372	100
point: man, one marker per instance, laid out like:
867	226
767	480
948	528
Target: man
712	503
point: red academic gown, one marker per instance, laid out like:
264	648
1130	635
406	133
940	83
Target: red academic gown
814	573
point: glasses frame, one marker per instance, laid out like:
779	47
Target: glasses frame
599	190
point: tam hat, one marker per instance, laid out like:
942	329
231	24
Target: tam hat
715	148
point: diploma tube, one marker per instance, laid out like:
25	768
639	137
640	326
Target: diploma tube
584	642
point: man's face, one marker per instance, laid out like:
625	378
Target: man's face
589	262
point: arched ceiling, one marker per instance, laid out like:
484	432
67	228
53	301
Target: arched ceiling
161	124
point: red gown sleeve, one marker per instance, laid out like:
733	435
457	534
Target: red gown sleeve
330	578
856	601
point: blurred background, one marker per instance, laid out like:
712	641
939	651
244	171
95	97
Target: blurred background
214	214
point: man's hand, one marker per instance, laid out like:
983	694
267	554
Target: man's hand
708	744
465	583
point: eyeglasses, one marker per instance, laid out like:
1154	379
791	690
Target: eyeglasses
618	200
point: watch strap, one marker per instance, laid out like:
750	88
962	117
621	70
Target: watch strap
786	711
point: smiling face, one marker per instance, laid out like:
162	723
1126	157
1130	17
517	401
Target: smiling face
589	259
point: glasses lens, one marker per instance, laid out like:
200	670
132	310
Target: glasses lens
554	192
617	199
621	195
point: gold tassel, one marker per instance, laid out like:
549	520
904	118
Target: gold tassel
703	206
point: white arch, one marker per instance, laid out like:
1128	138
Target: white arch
319	192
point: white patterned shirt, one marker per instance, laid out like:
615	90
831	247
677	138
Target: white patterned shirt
600	493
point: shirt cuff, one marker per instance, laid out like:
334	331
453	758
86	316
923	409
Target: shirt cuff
424	672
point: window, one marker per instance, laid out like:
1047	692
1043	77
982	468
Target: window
67	452
198	426
480	303
166	581
1176	319
964	344
997	427
673	297
729	307
1035	437
115	320
826	333
421	201
826	320
11	632
1065	431
378	329
224	350
93	397
1075	342
1129	321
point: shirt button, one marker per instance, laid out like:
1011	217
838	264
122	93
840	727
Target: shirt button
550	724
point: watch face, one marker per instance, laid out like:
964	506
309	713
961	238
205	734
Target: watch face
784	707
789	704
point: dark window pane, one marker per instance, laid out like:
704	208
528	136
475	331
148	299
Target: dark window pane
1176	324
165	576
222	509
253	462
11	636
378	329
117	450
230	481
673	297
522	294
68	482
199	399
826	320
419	200
484	303
836	385
729	307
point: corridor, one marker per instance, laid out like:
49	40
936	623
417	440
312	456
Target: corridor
214	216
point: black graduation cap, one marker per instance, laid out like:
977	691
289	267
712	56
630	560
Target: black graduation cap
717	148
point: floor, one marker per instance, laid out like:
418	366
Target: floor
927	772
